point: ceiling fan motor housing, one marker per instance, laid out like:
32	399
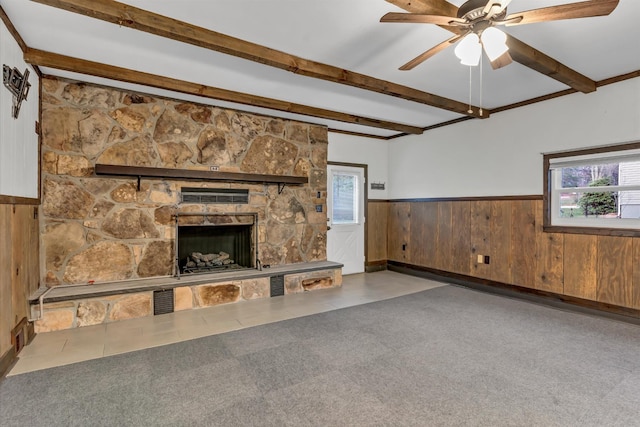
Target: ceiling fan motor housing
473	10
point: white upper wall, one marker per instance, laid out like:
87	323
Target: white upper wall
371	152
18	138
502	155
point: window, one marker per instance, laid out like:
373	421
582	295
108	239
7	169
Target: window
594	191
345	198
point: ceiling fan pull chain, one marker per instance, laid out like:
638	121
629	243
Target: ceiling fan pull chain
480	111
470	111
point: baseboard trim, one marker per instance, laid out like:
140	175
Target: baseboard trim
514	291
6	361
373	266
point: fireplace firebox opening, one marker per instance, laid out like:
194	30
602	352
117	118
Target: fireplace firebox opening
209	242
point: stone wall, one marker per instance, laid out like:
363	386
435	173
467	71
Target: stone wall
98	229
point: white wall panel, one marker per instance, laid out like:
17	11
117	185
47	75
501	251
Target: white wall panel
18	139
371	152
503	154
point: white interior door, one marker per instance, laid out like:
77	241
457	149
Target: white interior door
345	205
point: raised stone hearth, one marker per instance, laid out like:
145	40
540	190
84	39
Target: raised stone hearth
72	307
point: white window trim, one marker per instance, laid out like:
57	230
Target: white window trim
555	189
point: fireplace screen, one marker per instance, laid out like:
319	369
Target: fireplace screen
207	243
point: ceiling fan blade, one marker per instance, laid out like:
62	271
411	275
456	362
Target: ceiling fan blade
583	9
428	54
421	18
429	7
501	61
495	7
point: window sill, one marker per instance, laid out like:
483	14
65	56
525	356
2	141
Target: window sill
599	231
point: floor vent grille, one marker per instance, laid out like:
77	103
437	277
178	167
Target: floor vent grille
277	285
163	302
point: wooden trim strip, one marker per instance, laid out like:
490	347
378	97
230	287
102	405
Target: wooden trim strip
634	145
618	232
612	80
373	266
147	172
558	300
364	135
470	199
620	78
15	200
535	100
6	360
61	62
159	25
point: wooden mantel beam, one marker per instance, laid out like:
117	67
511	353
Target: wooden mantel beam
61	62
153	23
519	51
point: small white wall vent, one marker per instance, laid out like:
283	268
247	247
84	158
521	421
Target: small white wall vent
214	195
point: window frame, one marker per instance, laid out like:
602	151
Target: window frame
548	192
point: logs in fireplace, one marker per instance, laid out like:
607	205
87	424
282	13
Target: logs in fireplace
199	262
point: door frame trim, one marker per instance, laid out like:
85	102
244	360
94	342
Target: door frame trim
365	168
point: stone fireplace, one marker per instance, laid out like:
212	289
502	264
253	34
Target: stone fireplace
123	237
87	218
212	243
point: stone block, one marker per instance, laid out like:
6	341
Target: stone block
139	151
60	240
132	306
292	284
91	313
73	166
91	264
209	295
130	224
317	283
64	199
257	288
322	279
182	298
55	320
157	260
172	126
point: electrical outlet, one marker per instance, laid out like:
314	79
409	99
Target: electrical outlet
480	259
487	259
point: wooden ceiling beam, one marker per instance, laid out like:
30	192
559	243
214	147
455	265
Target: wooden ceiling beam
542	63
143	20
62	62
519	51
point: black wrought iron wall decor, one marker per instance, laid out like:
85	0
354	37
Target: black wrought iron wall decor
18	84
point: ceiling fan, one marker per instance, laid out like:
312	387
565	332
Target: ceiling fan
475	25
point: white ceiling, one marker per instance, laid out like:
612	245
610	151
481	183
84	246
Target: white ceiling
345	34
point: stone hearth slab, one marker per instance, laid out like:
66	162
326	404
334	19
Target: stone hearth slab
67	293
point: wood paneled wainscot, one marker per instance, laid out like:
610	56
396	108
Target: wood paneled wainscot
377	219
19	278
454	236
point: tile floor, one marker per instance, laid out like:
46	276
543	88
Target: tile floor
75	345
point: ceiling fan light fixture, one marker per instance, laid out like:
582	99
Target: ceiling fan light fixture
469	50
494	42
